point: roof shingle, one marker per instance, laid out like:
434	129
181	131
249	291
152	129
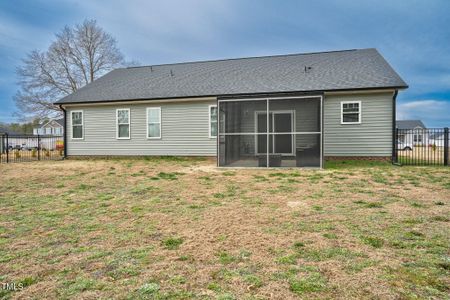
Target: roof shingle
324	71
409	124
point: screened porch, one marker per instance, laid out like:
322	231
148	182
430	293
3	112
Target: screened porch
270	132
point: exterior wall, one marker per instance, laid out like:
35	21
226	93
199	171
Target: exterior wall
373	137
184	130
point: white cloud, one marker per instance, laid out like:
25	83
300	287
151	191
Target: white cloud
434	113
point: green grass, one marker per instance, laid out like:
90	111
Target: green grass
373	241
226	258
346	164
172	243
161	228
310	283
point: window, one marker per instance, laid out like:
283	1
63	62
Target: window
154	122
123	123
48	130
351	112
417	138
77	124
58	131
213	121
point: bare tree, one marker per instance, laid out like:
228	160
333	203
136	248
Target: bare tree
78	56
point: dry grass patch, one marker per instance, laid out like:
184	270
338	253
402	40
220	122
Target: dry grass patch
180	228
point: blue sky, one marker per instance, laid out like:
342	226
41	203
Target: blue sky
414	36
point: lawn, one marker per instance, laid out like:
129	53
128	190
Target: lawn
180	229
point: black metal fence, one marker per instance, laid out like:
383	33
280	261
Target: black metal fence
422	147
21	148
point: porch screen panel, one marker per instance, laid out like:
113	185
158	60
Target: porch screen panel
270	132
296	132
240	115
242	143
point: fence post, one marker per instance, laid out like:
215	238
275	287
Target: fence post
7	148
446	146
39	147
395	144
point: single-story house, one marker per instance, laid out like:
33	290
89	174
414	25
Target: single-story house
52	127
412	132
277	111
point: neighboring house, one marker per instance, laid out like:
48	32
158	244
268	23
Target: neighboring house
52	127
279	111
3	141
412	132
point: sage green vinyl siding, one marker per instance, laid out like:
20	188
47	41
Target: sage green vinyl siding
184	130
373	137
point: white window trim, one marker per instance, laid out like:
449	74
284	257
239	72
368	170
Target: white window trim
82	124
160	123
129	124
359	112
209	123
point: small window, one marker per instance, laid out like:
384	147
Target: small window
213	121
154	122
77	125
123	123
351	112
57	131
48	130
417	138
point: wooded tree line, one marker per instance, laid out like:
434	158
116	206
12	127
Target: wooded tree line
21	128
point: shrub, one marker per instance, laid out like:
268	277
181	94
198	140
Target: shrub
17	154
33	153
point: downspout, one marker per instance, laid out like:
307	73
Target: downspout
394	129
65	131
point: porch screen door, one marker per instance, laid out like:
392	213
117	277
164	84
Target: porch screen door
282	142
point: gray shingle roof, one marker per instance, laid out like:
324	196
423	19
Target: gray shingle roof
409	124
60	122
338	70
